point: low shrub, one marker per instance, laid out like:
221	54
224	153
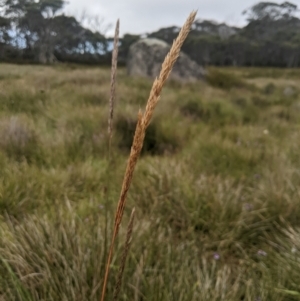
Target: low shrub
24	101
269	89
158	140
224	80
215	112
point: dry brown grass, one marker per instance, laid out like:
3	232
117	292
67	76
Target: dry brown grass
114	65
15	131
124	255
142	124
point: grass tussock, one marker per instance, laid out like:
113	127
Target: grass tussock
215	192
18	138
160	138
224	80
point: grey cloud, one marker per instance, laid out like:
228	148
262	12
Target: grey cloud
138	16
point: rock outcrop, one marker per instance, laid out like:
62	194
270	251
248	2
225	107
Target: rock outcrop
146	56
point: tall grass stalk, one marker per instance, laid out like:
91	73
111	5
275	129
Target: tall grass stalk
142	124
114	65
124	255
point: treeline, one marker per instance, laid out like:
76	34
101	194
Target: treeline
38	31
271	38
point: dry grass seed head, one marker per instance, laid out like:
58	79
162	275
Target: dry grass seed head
142	124
113	80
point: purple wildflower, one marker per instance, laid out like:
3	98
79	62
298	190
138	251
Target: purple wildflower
257	176
248	206
261	253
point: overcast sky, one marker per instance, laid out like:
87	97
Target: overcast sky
141	16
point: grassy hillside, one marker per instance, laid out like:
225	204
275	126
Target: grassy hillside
216	190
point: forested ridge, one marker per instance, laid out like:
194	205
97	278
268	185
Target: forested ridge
40	32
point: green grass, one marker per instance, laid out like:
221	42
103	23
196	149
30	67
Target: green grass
216	189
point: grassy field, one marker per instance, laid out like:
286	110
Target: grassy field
216	191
